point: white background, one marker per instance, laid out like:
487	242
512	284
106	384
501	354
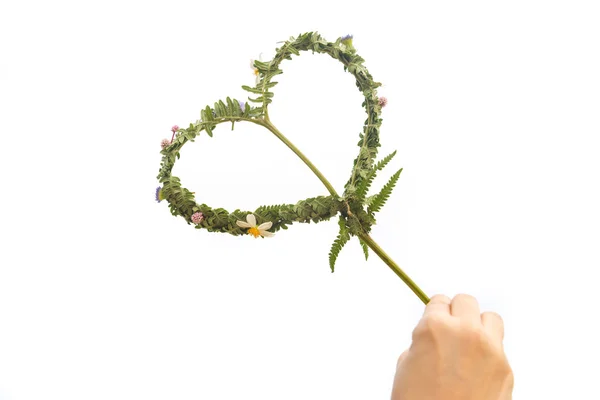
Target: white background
494	111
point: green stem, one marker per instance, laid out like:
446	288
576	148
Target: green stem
267	124
363	236
394	267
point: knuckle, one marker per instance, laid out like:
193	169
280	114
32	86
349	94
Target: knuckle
510	378
504	371
465	297
493	314
430	325
401	358
440	298
473	333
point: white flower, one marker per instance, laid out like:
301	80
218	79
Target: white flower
255	70
256	231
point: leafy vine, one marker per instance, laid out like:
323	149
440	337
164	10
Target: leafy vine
354	208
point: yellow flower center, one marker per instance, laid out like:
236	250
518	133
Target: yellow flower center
254	232
256	71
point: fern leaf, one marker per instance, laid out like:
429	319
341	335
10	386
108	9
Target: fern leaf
231	107
380	198
252	89
207	114
221	109
365	249
364	186
342	238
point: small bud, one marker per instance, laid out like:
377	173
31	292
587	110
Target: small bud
174	129
347	41
382	101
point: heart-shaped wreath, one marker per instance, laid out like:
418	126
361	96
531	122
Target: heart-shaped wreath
355	208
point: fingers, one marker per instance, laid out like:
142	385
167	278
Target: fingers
466	307
493	325
438	304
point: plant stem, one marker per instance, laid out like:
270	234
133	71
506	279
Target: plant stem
363	236
394	267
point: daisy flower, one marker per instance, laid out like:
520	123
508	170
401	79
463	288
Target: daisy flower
256	231
255	70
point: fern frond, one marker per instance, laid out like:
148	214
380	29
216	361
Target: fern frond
252	89
232	109
380	198
363	187
342	238
365	248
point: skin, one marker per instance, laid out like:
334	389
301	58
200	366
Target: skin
456	354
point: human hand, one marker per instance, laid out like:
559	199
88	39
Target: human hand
456	354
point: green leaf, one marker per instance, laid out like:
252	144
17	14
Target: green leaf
271	74
208	128
380	198
208	115
219	218
230	107
365	248
363	187
235	108
342	238
220	109
252	89
261	64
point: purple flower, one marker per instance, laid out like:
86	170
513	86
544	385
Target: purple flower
197	217
159	194
242	105
347	40
165	143
382	101
175	128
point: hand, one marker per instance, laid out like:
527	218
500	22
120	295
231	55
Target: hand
456	354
